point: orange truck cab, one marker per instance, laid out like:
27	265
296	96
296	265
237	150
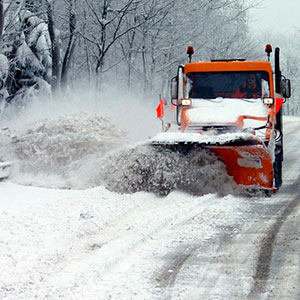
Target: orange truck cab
236	97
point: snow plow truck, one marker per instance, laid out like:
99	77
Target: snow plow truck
233	107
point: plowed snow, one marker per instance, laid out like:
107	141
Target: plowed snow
159	170
87	150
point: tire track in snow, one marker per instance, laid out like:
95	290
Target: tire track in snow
292	187
284	278
197	261
125	237
223	263
233	257
182	234
265	255
168	276
183	253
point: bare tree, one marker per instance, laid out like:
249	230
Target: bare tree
140	41
217	29
109	23
1	17
55	49
71	43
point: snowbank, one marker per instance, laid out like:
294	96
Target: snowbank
63	152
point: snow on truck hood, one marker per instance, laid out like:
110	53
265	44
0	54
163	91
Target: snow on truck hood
226	110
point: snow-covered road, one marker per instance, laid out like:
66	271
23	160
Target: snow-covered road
97	244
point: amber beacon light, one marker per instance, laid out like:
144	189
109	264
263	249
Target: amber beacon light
268	50
190	52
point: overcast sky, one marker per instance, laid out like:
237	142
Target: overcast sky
276	16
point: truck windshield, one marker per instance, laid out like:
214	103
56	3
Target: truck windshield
211	85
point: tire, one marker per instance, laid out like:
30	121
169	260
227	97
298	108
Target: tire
277	166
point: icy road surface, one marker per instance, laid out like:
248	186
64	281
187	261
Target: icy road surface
97	244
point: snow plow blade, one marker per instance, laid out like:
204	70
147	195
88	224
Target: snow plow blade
246	157
249	164
5	170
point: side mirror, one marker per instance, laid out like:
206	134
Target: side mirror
174	90
286	88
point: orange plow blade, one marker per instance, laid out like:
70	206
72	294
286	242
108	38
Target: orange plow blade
249	165
247	159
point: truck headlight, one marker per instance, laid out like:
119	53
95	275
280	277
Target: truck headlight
268	101
186	102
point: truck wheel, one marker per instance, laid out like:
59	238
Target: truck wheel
277	166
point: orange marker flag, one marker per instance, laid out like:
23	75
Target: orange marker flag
160	109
